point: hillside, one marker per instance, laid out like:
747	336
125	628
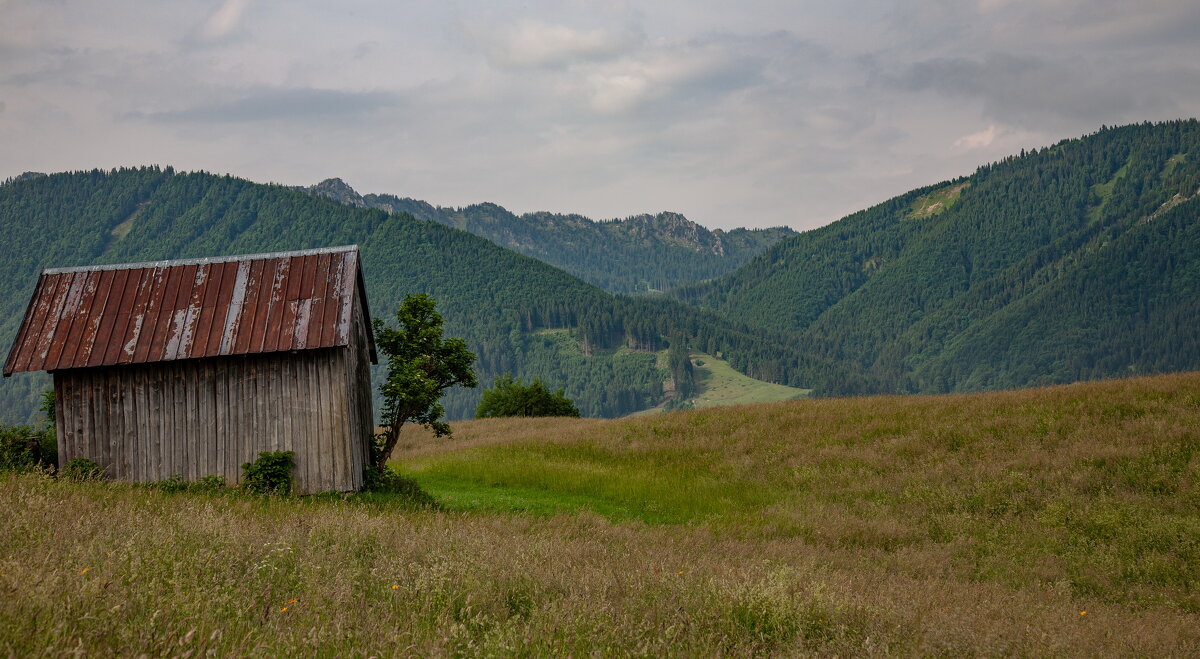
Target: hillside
1072	262
1051	522
493	297
639	254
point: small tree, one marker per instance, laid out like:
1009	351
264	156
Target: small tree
421	365
508	397
271	473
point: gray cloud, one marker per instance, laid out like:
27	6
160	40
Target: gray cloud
530	43
671	82
224	24
281	105
1030	91
32	65
763	112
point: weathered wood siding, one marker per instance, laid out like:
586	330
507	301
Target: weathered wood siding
358	383
199	417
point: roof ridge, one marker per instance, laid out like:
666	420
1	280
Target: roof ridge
199	261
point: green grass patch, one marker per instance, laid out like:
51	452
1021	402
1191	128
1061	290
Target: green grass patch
1104	192
654	485
721	385
1173	162
456	493
560	340
936	202
121	230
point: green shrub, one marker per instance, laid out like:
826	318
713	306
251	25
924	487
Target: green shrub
176	484
82	469
26	448
49	407
173	484
48	451
509	397
676	404
210	483
271	473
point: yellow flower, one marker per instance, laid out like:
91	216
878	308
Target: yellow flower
680	572
291	601
84	570
283	609
1083	613
395	586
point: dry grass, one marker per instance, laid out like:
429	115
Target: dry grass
958	525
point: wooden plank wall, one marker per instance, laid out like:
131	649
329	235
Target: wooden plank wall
358	383
198	417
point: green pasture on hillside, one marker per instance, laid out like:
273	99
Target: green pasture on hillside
720	385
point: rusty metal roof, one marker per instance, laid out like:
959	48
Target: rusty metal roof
189	308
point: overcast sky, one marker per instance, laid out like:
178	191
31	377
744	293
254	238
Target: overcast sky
755	113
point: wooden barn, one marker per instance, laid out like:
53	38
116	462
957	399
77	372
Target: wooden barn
193	367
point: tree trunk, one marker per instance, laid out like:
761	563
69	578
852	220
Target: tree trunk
391	438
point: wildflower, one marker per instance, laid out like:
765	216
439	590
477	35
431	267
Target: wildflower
395	586
1083	613
283	609
84	570
679	572
291	601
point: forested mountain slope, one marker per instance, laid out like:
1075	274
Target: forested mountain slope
638	254
498	300
1077	261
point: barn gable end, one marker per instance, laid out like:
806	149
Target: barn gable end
193	367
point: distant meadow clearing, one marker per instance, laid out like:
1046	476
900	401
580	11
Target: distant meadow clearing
1061	521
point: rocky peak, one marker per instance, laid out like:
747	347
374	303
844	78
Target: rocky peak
337	190
675	229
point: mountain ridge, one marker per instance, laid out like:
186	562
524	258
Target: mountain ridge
1077	261
637	254
495	298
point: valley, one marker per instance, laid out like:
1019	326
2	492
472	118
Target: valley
1074	262
496	299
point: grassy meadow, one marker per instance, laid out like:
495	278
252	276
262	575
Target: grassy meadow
719	385
1061	521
